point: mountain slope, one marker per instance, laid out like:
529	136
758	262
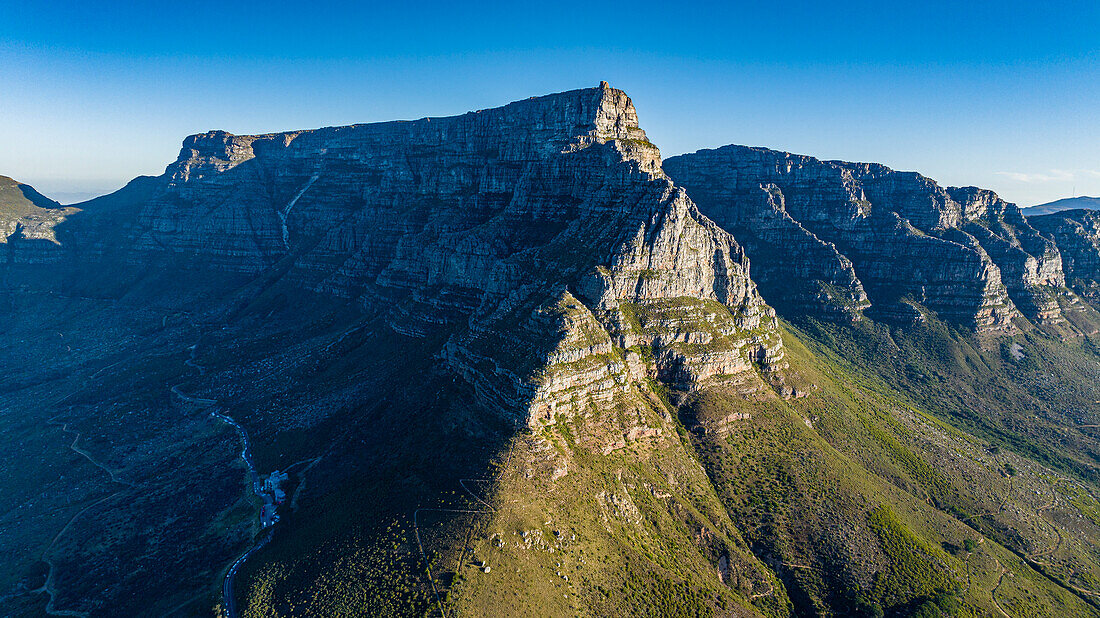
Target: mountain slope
27	213
1026	389
524	259
961	252
1077	233
1066	203
510	367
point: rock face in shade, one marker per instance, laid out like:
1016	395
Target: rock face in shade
1077	234
545	231
836	239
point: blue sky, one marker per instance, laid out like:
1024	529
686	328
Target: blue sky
1004	95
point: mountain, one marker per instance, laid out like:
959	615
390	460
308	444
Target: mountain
865	238
1067	203
513	363
27	213
1077	233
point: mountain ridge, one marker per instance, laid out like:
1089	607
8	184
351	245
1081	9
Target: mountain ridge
867	209
513	339
1066	203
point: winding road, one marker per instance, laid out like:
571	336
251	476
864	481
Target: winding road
267	512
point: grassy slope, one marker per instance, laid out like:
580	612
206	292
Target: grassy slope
637	531
911	453
114	458
857	497
887	452
21	205
861	501
1017	475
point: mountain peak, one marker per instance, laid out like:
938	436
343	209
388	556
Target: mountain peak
1067	203
546	124
15	194
26	213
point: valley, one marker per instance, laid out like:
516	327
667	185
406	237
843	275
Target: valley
514	362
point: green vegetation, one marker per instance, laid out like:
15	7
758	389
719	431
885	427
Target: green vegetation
380	577
654	501
914	571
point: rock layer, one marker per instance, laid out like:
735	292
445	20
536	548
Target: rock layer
1077	234
26	214
833	239
521	231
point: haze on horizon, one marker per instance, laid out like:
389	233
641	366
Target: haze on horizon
1000	95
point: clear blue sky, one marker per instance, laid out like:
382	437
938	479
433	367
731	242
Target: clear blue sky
1004	95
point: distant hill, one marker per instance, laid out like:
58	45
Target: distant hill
1069	203
16	195
28	212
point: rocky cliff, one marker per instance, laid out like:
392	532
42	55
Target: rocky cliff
835	239
542	235
1077	234
379	311
27	214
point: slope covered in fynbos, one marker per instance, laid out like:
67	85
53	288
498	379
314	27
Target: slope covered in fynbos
509	367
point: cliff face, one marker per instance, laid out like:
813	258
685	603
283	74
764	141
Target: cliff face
842	238
1077	234
380	307
534	233
27	214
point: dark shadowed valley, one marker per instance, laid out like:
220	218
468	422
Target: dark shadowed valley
515	363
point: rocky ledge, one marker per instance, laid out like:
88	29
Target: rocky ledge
1077	234
837	239
542	238
26	214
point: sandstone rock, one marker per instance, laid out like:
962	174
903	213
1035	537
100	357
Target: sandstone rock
27	221
531	231
1077	234
834	239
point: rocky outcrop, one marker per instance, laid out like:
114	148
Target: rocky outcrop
27	215
835	239
1077	234
1031	265
531	233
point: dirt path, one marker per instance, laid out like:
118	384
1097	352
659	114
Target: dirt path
301	481
1050	550
48	587
993	593
771	591
85	454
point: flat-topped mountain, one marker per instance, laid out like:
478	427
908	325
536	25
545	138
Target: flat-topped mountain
487	219
511	363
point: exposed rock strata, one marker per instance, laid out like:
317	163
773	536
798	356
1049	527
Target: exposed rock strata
1077	234
521	231
834	239
26	214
